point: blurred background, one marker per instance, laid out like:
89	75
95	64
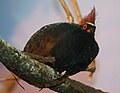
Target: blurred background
19	19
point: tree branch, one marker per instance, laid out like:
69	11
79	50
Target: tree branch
36	73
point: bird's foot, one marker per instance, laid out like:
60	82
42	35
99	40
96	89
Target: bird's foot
91	68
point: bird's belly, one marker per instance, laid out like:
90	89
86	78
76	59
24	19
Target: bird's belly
74	61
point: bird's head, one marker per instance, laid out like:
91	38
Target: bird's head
88	22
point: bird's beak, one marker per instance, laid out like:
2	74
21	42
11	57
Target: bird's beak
89	18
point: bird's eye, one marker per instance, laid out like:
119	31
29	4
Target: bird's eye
84	27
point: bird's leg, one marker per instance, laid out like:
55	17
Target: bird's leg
68	13
77	10
91	68
41	58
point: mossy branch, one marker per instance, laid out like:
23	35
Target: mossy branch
36	73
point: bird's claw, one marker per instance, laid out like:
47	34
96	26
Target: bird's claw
91	68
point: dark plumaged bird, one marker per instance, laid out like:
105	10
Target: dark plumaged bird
72	45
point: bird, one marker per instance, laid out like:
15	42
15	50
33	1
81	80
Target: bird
66	46
72	45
